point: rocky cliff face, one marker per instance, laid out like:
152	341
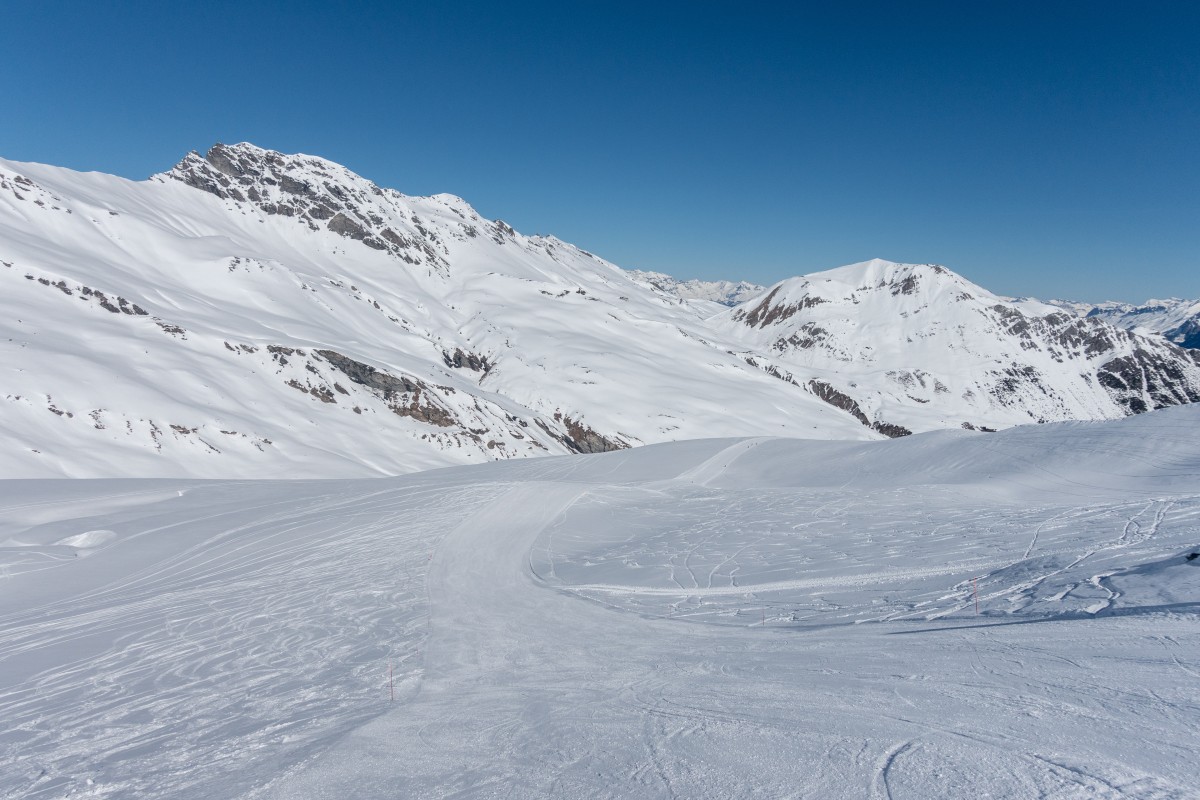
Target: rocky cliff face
323	196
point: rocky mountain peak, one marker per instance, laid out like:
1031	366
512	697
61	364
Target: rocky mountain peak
241	171
319	193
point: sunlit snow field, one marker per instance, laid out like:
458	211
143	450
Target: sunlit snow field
717	618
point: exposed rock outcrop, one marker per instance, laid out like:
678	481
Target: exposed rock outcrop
405	396
846	403
322	194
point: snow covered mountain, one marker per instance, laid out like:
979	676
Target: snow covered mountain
253	314
249	313
725	293
1178	320
907	347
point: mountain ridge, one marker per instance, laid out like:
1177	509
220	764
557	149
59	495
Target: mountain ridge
1176	319
251	313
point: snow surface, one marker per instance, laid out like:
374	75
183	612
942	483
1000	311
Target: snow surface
713	618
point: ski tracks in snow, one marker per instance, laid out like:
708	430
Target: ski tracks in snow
712	468
256	645
241	636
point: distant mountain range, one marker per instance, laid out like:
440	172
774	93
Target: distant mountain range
254	314
724	293
1177	320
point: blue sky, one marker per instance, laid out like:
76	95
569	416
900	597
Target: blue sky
1039	149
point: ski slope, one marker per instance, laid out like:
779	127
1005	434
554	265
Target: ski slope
710	618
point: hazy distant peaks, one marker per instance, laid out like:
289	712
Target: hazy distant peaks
724	292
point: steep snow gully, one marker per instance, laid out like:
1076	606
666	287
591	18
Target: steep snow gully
714	618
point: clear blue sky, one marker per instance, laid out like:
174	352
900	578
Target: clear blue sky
1039	148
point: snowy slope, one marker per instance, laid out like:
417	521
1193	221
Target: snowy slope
157	328
910	347
252	314
1178	320
712	618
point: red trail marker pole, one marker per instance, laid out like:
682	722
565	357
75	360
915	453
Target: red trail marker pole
975	583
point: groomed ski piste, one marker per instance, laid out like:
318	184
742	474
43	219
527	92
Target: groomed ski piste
712	618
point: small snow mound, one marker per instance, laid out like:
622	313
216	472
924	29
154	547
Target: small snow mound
88	539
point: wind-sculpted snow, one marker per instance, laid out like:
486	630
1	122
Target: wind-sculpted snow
712	618
176	326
